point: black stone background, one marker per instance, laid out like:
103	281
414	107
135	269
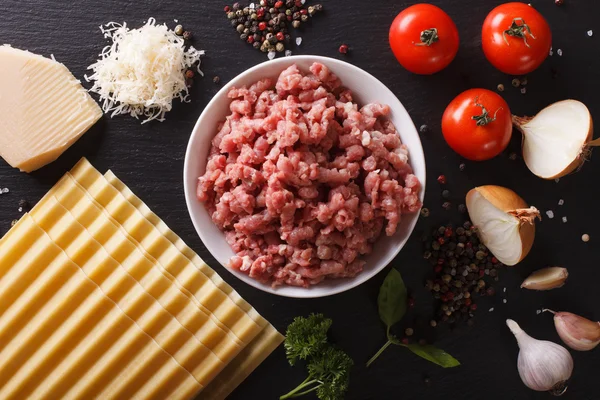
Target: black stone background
149	158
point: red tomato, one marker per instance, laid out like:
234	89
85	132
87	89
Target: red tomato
477	124
516	38
424	39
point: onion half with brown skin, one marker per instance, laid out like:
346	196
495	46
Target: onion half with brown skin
558	140
505	223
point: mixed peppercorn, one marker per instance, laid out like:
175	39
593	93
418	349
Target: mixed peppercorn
265	25
462	270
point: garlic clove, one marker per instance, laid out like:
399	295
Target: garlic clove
504	222
556	140
577	332
542	365
546	279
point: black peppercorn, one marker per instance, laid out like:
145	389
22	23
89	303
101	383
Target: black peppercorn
244	36
187	35
216	79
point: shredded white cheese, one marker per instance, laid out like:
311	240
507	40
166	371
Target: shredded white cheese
142	70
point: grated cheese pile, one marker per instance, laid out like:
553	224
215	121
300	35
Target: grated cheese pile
142	71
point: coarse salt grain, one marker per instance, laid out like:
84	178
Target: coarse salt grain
550	214
491	309
20	209
561	202
551	53
564	219
298	41
538	312
559	52
288	53
504	301
590	33
557	180
5	190
523	90
504	290
271	55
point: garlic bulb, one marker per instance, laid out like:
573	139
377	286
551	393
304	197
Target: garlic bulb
543	366
577	332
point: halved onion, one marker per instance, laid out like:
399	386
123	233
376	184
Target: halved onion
504	222
558	139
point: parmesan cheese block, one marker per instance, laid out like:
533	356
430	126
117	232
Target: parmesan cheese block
43	109
224	344
201	288
61	337
126	292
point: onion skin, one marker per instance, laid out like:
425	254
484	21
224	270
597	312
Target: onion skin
506	200
518	122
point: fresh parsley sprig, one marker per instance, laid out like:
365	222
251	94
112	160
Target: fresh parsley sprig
328	367
392	304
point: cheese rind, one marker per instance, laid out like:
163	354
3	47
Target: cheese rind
73	330
43	109
116	283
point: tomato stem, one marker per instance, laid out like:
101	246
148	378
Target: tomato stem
519	31
485	117
428	37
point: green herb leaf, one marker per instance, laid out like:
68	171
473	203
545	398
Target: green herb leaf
392	298
434	355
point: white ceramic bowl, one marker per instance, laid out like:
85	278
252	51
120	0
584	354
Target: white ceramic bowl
366	89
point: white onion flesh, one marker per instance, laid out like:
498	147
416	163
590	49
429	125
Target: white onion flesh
554	141
497	229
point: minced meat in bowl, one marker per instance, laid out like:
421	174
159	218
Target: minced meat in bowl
303	181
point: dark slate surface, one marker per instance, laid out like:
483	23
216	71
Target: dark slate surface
149	158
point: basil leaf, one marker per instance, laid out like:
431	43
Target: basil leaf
434	355
392	298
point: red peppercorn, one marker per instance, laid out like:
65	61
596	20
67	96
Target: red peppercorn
469	245
444	298
559	2
411	302
343	49
260	12
405	340
467	302
438	269
473	306
227	9
280	36
304	11
441	240
440	261
494	260
441	179
448	232
289	18
450	295
481	273
279	4
262	26
298	3
250	39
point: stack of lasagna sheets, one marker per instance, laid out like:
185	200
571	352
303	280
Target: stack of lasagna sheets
100	299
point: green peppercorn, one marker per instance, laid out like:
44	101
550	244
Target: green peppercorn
240	28
179	29
230	15
436	287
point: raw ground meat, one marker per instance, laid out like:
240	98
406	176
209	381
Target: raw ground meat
303	181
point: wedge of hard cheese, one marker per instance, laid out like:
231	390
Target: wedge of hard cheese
43	109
